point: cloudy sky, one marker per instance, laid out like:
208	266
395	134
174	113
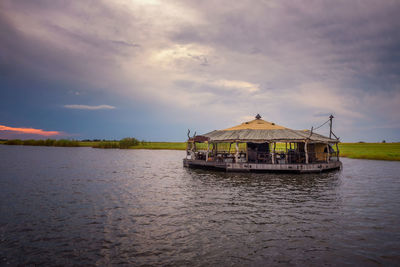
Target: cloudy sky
151	69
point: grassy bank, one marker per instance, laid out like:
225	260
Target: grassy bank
377	151
161	145
47	142
126	143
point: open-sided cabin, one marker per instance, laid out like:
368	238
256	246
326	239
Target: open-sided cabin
259	145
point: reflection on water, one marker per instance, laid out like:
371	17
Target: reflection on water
70	206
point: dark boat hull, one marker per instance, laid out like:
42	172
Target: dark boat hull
261	167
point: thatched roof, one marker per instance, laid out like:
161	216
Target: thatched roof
259	131
257	124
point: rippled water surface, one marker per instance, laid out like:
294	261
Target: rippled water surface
65	206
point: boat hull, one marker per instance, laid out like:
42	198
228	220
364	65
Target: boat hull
261	167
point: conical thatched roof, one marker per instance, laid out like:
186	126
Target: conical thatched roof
259	130
256	124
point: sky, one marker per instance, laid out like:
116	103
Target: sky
152	69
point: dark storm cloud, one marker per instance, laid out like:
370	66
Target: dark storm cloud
57	38
350	38
199	59
343	53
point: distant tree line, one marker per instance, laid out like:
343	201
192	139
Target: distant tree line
97	143
47	142
123	143
99	140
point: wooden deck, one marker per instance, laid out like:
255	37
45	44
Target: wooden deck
260	167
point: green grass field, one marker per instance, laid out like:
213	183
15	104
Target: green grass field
377	151
161	145
144	145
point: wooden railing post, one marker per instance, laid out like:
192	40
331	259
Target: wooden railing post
273	155
208	150
328	152
237	152
286	153
247	154
337	152
306	151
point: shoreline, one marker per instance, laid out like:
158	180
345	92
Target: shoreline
371	151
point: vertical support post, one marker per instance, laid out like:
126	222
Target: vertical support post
286	153
273	155
306	151
237	152
194	150
208	151
247	153
328	153
337	152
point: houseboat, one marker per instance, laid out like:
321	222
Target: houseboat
262	146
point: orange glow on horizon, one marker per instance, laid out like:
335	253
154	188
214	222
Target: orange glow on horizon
29	131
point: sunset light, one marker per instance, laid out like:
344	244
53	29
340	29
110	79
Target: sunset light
29	131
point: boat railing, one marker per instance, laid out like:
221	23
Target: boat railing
279	157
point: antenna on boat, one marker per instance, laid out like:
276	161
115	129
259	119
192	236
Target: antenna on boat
311	132
330	126
330	120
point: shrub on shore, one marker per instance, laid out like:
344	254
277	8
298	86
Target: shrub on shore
128	142
49	142
15	142
66	143
106	144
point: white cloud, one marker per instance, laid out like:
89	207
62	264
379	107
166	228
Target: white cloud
179	56
238	85
87	107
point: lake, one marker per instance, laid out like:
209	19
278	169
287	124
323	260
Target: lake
68	206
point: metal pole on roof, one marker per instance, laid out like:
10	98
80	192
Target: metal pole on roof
330	126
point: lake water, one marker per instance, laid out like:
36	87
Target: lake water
66	206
